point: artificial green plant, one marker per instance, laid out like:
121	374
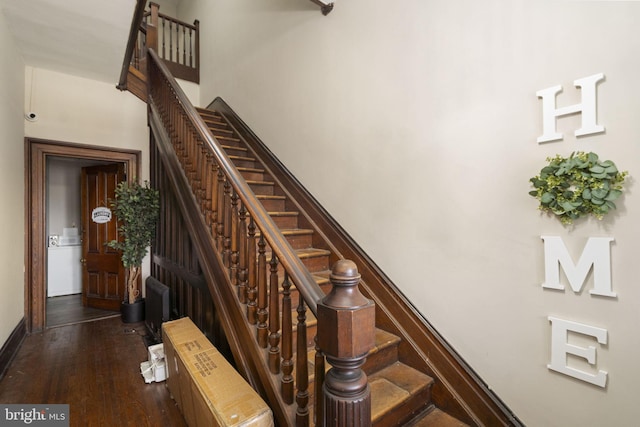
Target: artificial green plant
137	209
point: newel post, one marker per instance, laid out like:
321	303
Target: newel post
152	27
346	334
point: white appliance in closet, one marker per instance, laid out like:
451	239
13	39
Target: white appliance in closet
64	269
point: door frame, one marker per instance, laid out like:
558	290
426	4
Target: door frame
36	153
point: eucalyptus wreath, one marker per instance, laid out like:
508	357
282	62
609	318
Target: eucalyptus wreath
578	185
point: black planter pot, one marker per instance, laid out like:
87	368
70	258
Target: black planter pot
132	313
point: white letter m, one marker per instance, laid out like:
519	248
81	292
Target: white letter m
596	253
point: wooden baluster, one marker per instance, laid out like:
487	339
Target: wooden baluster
196	65
252	293
214	200
274	317
198	161
233	237
164	34
184	45
262	294
287	342
226	250
190	47
209	189
302	369
191	152
193	144
319	372
346	334
204	182
170	40
177	43
220	216
242	262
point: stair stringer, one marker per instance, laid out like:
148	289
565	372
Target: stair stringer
458	390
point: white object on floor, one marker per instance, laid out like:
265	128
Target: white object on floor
154	368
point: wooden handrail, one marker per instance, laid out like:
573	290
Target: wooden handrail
234	233
147	31
460	384
298	273
136	20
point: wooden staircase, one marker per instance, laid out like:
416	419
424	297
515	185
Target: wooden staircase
400	394
229	206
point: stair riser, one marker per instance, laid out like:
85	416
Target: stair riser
400	415
296	242
317	263
254	176
300	241
313	264
246	163
232	143
284	222
276	205
380	359
234	151
263	189
221	132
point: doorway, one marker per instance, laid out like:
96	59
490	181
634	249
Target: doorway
37	152
67	235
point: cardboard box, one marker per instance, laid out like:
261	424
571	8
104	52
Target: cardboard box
207	389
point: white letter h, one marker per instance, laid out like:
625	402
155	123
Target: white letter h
587	107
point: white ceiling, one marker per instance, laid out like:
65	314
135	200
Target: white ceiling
85	38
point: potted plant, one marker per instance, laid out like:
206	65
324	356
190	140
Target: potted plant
137	208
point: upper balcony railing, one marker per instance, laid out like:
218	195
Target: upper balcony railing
177	43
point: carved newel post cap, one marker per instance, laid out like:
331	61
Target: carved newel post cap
346	319
344	270
345	293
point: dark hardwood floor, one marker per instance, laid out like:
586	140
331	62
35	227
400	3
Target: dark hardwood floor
68	309
95	368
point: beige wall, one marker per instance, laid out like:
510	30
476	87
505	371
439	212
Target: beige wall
415	124
74	109
11	183
83	111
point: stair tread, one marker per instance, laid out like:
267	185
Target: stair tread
216	126
206	112
246	169
284	213
306	253
228	138
312	252
380	341
250	159
384	339
212	119
269	183
436	418
392	386
270	196
223	138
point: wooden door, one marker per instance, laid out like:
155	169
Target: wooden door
103	276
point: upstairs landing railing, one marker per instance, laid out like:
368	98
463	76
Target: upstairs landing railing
177	43
235	236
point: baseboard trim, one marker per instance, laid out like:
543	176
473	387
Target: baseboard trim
11	346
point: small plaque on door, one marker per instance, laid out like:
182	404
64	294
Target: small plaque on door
101	215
